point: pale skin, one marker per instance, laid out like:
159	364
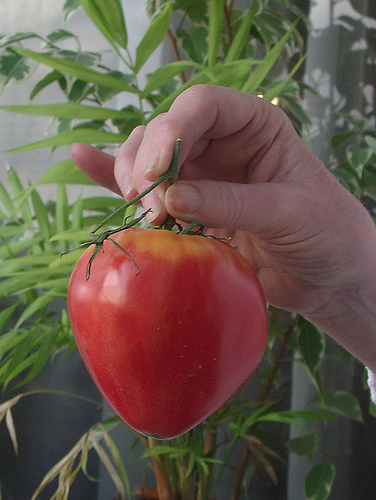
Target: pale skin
248	176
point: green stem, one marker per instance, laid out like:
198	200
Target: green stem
170	175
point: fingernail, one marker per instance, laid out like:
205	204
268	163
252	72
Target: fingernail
185	198
125	185
151	164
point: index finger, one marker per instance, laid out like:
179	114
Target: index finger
198	115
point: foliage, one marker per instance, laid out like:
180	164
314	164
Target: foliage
213	42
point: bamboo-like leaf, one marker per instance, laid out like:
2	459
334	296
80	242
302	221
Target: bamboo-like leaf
23	206
41	215
38	304
276	90
80	71
5	316
64	172
242	34
61	466
71	111
118	461
11	249
11	430
108	16
253	83
216	18
87	136
166	103
6	200
163	74
109	466
62	207
153	36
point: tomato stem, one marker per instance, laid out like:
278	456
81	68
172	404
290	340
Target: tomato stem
170	175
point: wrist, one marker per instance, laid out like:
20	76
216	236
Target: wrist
349	317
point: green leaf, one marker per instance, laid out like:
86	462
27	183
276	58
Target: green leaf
22	203
163	74
71	111
311	344
277	89
304	445
154	36
319	481
17	37
108	16
69	7
371	142
14	68
51	77
87	136
341	403
5	315
252	85
194	41
64	172
358	158
166	103
242	34
231	74
339	139
37	305
297	417
6	200
216	21
76	70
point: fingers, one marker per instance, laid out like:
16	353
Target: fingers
96	164
256	208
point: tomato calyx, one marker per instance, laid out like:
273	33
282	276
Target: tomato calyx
194	228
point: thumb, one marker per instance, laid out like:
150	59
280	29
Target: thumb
248	207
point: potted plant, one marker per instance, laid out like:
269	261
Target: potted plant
216	43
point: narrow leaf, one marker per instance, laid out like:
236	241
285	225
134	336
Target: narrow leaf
165	73
154	36
261	72
64	172
85	135
216	18
40	303
71	111
76	70
242	34
108	16
11	429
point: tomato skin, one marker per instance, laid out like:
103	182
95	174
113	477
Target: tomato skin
170	330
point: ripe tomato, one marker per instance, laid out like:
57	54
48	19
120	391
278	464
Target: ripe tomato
169	330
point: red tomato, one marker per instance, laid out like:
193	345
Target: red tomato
170	330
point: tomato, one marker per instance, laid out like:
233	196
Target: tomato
169	326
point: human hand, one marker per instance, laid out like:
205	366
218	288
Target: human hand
248	176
